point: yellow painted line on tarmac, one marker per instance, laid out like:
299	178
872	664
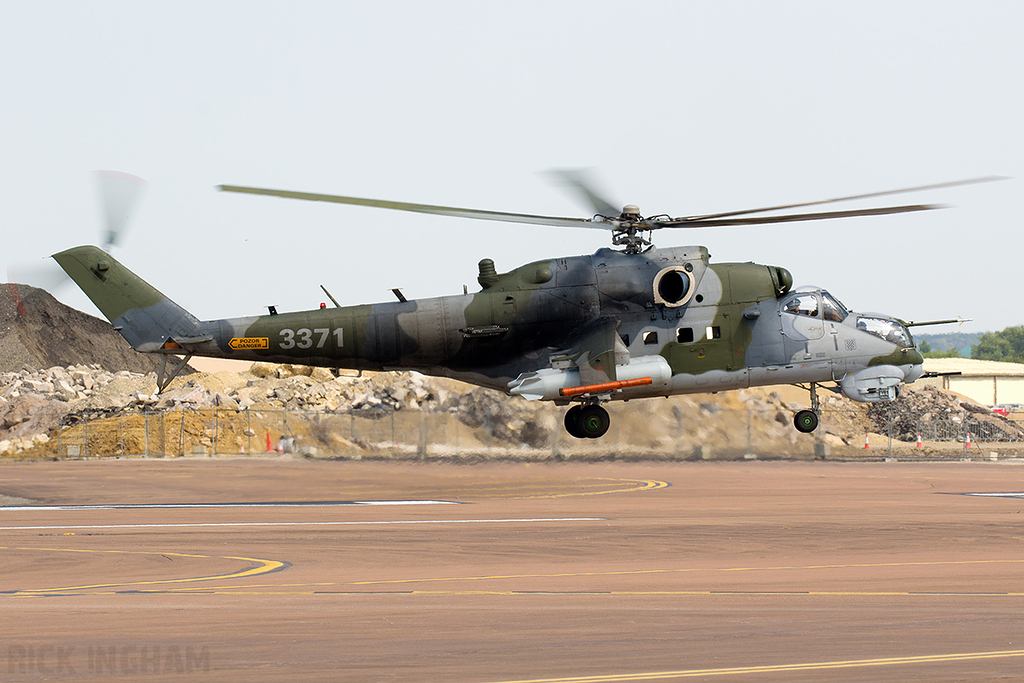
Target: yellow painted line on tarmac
261	567
780	668
638	485
718	593
591	486
633	486
276	590
249	590
227	590
639	572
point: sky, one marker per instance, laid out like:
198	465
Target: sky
680	107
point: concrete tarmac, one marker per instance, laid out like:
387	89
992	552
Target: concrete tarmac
250	569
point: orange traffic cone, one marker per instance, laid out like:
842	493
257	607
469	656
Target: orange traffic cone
968	444
270	448
867	444
919	440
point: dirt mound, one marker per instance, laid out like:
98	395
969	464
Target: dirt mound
412	409
37	332
932	411
405	414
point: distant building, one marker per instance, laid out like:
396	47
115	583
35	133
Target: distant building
987	382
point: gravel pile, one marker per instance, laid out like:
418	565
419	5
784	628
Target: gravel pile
932	410
33	403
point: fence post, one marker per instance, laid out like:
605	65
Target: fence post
889	415
458	432
423	437
750	447
145	428
487	428
555	434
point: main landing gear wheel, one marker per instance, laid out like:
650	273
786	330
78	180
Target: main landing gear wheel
806	421
587	422
594	421
572	422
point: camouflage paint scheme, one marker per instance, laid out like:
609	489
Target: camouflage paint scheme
666	313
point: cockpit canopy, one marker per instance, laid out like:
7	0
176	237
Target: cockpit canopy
817	303
889	330
812	302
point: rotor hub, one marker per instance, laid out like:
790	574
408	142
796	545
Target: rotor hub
630	212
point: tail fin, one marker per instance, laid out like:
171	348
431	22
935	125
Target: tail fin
144	317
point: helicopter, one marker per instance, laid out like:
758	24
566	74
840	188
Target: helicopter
630	321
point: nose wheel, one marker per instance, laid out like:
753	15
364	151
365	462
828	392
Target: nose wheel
589	421
806	421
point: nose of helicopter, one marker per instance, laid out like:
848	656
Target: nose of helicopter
916	361
915	373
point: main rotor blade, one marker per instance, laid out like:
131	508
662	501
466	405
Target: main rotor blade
789	218
427	208
577	179
920	188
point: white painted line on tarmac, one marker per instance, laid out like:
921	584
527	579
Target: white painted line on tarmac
533	520
996	495
171	506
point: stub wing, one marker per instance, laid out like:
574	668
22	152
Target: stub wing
598	363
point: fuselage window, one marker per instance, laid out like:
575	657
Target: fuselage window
684	335
714	332
650	337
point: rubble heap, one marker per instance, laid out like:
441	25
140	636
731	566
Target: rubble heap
930	410
33	403
37	332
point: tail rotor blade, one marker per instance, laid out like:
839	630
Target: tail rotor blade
43	275
119	193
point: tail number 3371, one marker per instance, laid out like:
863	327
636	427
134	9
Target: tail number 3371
306	338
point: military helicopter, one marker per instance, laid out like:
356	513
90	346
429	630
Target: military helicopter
620	324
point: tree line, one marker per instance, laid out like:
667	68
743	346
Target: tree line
1006	346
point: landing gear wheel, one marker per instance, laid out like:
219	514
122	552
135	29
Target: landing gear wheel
806	421
593	421
572	422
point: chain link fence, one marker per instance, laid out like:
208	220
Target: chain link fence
957	430
411	434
